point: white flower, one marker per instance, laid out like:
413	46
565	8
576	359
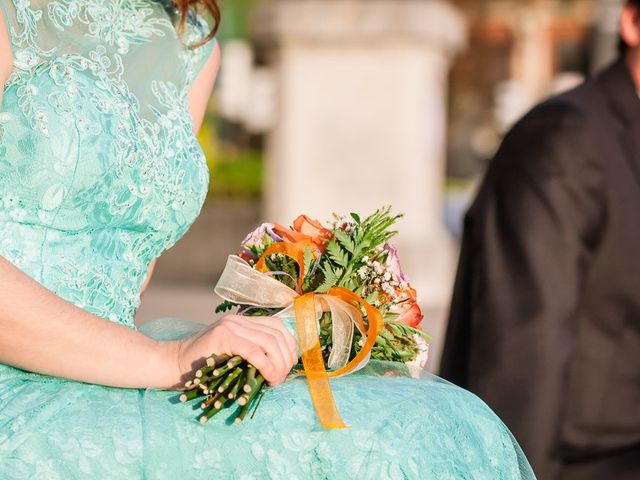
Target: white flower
423	353
362	272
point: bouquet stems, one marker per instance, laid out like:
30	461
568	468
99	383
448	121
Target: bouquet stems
223	382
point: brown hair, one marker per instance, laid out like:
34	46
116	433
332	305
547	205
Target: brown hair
210	6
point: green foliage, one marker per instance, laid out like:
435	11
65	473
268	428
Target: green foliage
346	241
394	344
375	229
337	254
236	17
345	252
237	177
326	335
281	263
225	307
260	312
308	259
372	297
402	329
331	276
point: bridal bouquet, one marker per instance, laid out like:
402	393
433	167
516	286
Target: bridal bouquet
340	287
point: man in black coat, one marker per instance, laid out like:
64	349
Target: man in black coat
545	317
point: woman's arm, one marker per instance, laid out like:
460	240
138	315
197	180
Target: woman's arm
43	333
200	90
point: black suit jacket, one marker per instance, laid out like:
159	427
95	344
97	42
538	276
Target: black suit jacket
545	317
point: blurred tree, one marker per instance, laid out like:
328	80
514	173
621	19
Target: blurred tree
236	18
235	163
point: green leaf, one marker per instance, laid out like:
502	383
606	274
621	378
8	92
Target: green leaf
308	259
372	297
356	217
385	334
350	284
361	248
339	256
331	277
225	306
345	241
394	328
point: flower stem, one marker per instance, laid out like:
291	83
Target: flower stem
190	395
231	364
233	392
247	399
253	384
215	360
229	379
251	378
255	388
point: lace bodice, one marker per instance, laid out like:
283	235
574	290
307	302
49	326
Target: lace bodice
100	170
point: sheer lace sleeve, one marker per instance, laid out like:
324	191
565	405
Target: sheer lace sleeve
199	27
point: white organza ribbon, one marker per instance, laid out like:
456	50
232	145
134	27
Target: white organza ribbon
242	284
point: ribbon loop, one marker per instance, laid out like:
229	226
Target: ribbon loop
242	284
292	250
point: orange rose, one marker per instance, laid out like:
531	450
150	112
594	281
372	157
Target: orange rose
305	228
411	316
408	310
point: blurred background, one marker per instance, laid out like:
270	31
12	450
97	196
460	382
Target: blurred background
328	106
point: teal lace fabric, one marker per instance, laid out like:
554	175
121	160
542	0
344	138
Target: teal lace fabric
100	172
99	167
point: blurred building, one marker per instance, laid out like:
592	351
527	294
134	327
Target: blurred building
519	53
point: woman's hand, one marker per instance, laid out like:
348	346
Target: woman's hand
264	342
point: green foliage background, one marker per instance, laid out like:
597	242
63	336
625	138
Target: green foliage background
236	170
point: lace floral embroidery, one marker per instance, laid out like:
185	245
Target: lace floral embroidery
115	22
95	159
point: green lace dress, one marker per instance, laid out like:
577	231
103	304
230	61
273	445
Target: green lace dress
100	172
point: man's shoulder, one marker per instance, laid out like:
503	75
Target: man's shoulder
571	111
557	138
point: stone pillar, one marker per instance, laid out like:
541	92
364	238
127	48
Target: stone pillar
361	119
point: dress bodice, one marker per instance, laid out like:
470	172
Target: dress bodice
100	170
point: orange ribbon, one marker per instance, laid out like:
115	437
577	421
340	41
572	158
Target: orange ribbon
309	340
371	331
292	250
315	371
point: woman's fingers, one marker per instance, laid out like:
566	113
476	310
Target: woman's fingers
285	353
256	356
278	324
265	342
268	341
